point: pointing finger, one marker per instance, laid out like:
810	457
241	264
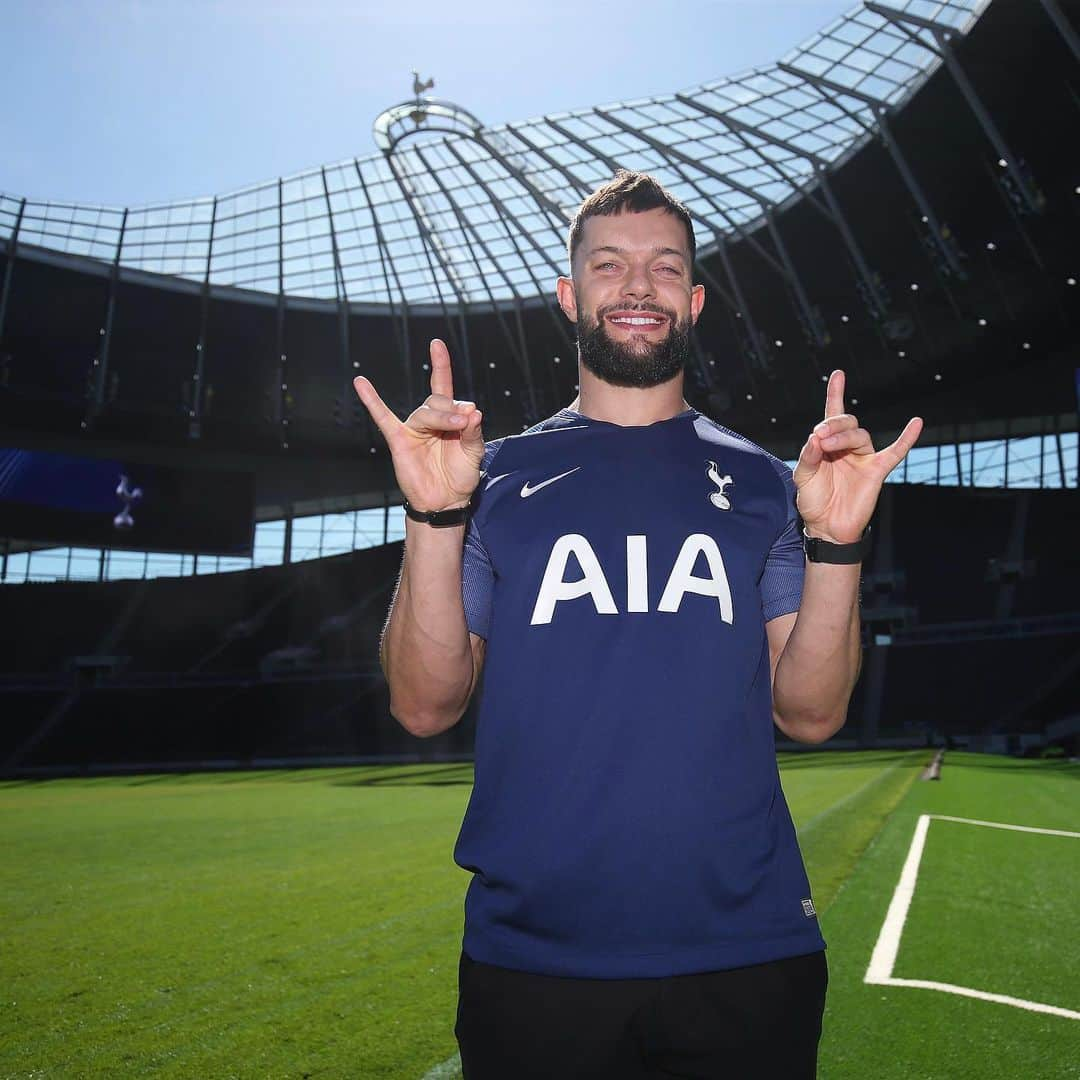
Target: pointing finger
383	417
442	379
834	394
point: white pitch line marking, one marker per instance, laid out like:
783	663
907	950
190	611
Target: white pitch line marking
883	959
982	995
1003	825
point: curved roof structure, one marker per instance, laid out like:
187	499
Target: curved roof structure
451	212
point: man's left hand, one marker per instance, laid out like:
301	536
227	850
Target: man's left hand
839	474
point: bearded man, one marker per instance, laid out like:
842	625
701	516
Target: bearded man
631	581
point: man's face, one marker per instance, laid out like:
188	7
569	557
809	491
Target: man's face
632	297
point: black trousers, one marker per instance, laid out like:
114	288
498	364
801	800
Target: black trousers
750	1023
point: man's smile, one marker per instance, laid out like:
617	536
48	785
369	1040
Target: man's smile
636	321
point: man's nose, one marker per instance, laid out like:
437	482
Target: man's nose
638	283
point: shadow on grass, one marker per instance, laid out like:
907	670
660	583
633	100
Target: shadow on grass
840	759
1000	763
444	774
371	775
430	776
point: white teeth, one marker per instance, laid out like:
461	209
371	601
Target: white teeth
638	322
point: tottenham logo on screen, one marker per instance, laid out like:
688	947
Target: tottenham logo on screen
128	496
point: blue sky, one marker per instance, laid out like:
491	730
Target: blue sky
129	103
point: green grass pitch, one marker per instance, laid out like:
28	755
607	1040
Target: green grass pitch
307	923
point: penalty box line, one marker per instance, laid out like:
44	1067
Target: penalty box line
883	958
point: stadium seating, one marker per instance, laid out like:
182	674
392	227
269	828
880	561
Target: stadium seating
944	539
1050	550
985	685
281	663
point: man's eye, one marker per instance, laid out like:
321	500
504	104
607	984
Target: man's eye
668	269
605	266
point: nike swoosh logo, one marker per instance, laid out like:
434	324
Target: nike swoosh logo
550	431
495	479
526	491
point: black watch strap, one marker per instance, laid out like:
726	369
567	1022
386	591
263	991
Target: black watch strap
438	518
818	550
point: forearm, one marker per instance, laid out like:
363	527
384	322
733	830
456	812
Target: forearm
425	651
816	672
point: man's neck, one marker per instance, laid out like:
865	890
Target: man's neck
629	406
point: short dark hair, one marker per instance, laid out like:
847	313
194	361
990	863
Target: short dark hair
633	191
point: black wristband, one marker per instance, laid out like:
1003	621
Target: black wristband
438	518
818	550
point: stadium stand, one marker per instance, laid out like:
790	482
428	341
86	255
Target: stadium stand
856	205
282	662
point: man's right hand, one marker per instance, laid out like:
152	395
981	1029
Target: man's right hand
438	449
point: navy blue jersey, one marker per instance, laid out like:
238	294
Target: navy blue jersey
627	819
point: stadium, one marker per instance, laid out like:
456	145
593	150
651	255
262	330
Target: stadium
227	858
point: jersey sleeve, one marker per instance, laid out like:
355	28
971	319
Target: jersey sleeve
785	565
477	576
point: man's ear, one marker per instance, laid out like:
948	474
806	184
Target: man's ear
697	301
567	297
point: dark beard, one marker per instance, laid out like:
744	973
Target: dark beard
627	365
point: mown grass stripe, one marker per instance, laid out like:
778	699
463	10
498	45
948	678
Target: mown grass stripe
850	797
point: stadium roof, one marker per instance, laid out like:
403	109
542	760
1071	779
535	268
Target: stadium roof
450	212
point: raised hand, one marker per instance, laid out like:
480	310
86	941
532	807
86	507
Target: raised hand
438	449
839	475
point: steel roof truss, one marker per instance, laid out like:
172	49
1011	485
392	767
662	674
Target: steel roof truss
516	346
11	246
401	337
342	314
543	292
430	249
1064	27
882	112
101	362
835	213
943	36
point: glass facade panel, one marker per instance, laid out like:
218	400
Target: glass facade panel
163	565
920	466
84	564
1023	468
337	534
306	538
228	565
989	469
269	543
124	564
47	565
1033	462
